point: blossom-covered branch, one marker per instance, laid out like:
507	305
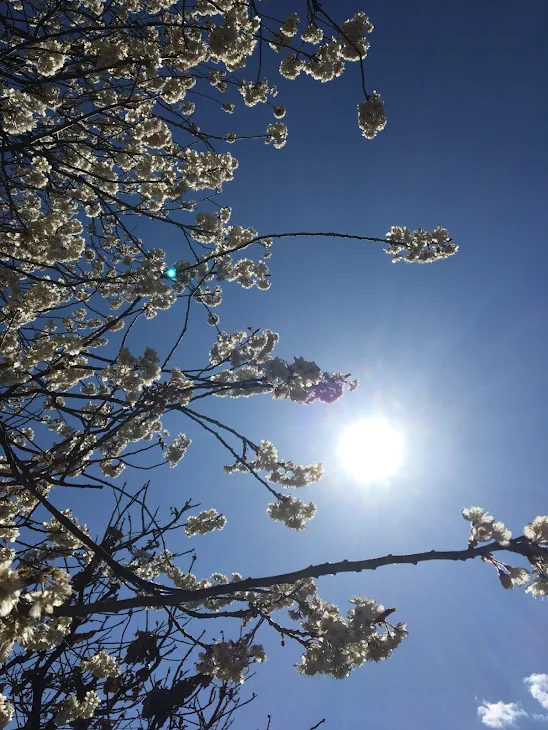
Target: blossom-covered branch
536	554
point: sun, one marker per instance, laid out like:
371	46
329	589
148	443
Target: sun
371	450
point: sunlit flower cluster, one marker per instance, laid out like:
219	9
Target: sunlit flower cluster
293	512
512	577
292	380
229	660
484	528
537	531
177	449
131	374
102	665
44	600
6	711
71	709
371	117
45	635
63	542
285	473
20	111
345	643
277	134
419	246
32	629
353	40
312	34
240	348
538	588
205	522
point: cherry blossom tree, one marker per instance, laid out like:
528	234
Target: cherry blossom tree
114	112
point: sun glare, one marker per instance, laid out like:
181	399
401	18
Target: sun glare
371	450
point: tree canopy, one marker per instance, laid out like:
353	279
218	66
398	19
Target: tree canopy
114	112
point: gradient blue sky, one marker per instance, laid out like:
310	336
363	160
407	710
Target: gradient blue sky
454	353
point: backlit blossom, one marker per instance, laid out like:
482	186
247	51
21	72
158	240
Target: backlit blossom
293	512
484	528
537	530
206	521
102	665
176	450
371	117
229	660
6	711
419	246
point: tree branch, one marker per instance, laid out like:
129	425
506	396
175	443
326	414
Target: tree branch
22	474
519	545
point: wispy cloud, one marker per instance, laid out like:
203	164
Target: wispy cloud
537	685
500	714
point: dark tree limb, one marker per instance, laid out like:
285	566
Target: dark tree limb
519	546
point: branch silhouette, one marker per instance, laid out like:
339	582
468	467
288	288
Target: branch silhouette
519	546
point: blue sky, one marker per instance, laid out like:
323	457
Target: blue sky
454	353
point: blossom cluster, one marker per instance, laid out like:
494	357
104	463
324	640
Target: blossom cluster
63	542
102	665
419	246
483	528
31	590
207	521
131	374
371	117
335	645
255	371
177	449
284	473
6	711
537	530
229	660
292	511
72	709
346	643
